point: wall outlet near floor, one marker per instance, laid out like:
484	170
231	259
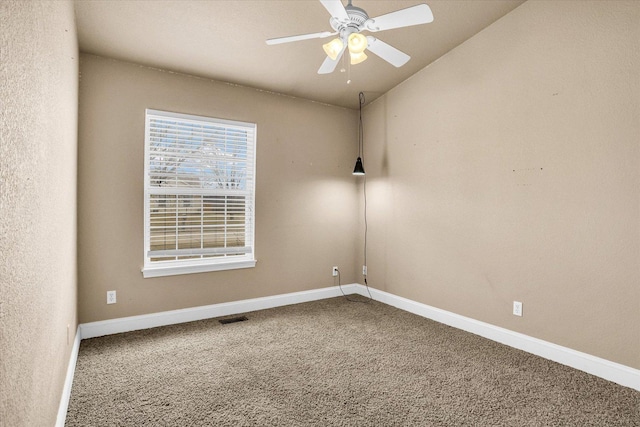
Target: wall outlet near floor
364	270
111	297
335	271
517	308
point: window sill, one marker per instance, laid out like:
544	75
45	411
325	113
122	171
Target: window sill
174	270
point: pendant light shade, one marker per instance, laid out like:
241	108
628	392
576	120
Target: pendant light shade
359	169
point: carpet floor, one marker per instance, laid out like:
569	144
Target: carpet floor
332	363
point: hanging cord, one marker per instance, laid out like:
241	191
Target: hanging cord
366	229
346	296
360	129
361	99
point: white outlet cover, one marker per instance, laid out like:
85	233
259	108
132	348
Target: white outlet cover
517	308
111	297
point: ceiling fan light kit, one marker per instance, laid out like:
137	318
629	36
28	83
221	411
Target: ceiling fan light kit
349	21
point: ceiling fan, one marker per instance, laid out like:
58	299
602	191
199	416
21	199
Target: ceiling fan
348	22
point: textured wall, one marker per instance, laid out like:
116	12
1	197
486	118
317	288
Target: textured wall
305	193
509	170
38	151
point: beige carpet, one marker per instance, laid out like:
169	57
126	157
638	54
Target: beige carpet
332	363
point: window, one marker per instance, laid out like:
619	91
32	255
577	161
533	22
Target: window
198	194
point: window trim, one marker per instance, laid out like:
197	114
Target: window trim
189	266
174	270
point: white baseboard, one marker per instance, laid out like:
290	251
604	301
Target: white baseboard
611	371
68	381
145	321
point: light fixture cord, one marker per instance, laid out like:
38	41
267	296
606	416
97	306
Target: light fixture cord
366	229
345	295
360	129
361	98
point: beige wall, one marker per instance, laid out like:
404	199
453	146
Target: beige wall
305	194
38	143
509	170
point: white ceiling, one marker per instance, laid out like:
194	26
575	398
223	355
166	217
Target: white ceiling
225	40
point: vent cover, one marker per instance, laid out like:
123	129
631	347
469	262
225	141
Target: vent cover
233	320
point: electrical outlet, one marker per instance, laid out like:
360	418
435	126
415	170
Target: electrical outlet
111	297
364	270
517	308
335	271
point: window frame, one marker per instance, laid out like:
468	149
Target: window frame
201	265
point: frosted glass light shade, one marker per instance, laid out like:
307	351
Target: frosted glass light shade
333	48
357	58
357	43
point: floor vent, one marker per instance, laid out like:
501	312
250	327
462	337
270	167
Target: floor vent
233	320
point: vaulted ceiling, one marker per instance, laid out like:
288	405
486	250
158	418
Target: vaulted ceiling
225	40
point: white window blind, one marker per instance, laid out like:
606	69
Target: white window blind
199	193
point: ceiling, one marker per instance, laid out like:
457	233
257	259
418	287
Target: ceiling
225	40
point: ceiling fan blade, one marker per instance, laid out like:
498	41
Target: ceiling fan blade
300	37
329	64
415	15
387	52
336	9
